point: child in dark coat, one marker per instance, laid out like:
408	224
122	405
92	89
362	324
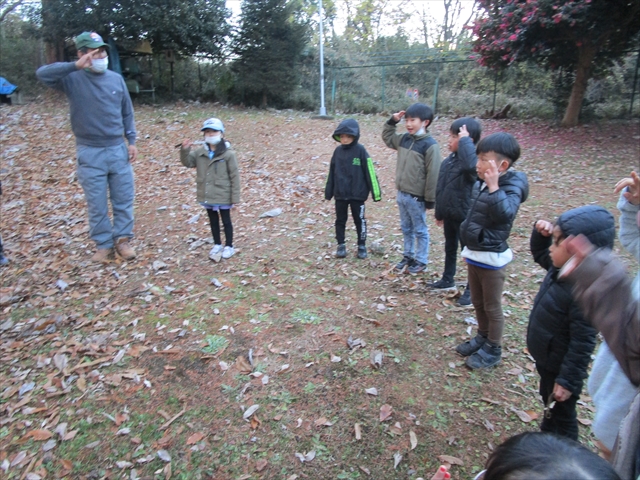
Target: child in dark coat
558	337
453	196
495	200
351	178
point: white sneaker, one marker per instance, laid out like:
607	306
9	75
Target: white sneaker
214	253
227	252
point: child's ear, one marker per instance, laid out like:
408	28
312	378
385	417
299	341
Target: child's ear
428	123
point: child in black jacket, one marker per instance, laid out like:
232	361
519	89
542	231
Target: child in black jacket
495	200
559	338
453	196
351	178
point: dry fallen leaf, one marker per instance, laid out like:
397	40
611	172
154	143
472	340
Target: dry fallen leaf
385	412
397	458
358	431
450	460
261	464
39	435
524	416
250	411
195	438
413	439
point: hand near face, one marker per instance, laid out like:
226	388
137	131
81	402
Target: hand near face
85	60
633	193
186	144
398	116
491	176
463	132
544	228
580	247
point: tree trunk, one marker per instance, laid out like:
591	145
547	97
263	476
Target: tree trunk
586	54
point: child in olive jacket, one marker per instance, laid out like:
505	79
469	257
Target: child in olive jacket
218	182
351	178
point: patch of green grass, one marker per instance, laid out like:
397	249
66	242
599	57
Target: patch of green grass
215	343
305	317
309	388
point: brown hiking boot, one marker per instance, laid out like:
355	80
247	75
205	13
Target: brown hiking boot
125	250
103	255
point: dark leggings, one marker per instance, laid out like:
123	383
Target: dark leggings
215	226
563	418
357	212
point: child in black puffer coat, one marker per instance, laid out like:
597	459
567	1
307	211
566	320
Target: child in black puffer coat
558	337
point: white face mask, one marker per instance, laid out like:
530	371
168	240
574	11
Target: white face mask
213	140
99	65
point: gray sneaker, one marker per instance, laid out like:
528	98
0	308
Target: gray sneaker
405	262
341	251
472	346
417	267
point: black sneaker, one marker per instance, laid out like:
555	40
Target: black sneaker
341	252
465	299
442	285
405	262
417	267
472	346
362	251
488	356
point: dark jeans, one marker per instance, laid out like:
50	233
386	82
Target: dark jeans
215	226
563	419
451	242
357	212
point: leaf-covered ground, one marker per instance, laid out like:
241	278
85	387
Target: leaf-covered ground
260	366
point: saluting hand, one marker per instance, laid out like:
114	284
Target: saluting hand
85	60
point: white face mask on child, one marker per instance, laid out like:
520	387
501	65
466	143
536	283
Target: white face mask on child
213	140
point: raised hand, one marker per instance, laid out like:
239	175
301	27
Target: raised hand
633	194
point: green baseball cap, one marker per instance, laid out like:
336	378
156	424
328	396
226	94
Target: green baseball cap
89	40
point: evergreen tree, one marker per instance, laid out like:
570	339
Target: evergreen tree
268	48
186	26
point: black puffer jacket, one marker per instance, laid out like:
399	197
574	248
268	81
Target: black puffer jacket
558	337
351	172
455	182
491	215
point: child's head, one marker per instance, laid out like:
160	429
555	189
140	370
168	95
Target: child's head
501	148
594	222
545	456
212	129
473	127
347	132
418	117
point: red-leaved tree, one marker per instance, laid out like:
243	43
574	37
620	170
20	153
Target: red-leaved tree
583	36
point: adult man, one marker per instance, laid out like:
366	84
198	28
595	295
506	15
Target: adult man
101	116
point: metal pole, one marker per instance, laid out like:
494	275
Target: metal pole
635	83
323	110
435	92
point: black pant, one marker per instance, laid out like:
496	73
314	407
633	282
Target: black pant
215	226
357	212
451	241
564	420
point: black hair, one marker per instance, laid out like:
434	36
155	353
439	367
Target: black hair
421	111
473	127
221	147
500	143
546	456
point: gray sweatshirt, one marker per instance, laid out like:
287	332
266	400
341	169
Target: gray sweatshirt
100	106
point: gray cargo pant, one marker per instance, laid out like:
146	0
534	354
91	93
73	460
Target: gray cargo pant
105	173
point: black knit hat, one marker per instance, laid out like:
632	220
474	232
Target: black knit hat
594	222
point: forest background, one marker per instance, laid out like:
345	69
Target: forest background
567	61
